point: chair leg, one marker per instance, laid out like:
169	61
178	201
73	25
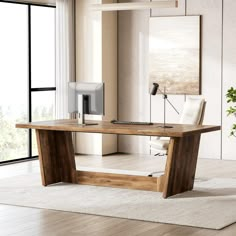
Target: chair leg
160	154
155	172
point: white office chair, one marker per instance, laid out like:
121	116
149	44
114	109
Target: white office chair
193	113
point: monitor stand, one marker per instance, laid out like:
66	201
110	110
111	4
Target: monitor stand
81	117
81	120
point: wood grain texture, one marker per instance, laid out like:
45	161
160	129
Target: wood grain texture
120	180
160	183
106	127
56	156
181	165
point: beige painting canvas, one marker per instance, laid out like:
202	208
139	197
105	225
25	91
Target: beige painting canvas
174	54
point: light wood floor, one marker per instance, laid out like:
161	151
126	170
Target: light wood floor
22	221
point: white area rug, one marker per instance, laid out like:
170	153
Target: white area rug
211	205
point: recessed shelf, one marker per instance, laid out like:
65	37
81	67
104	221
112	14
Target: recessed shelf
134	5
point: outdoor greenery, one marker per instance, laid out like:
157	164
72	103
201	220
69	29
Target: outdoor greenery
14	142
231	98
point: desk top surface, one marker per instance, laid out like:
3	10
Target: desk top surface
106	127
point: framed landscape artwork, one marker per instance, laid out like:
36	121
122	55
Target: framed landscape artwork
174	54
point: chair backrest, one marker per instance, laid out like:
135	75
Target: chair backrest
203	113
193	112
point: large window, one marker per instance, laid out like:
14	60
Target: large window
27	75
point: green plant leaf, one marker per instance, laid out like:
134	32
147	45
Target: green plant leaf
231	97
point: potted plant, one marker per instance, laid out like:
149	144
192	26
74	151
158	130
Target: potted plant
231	98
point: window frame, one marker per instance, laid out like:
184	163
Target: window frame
30	89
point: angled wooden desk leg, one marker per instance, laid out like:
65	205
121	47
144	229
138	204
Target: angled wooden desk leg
56	156
181	165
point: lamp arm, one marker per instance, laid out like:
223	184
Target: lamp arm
172	105
165	97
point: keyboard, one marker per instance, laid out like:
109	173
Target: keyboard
120	122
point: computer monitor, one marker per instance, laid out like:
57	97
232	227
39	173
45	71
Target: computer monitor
85	98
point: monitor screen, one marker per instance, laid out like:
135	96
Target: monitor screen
93	97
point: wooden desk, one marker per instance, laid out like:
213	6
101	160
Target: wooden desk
57	163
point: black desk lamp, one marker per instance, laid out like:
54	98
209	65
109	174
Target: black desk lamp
155	88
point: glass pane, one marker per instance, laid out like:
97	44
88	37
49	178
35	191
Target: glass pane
43	108
43	46
13	80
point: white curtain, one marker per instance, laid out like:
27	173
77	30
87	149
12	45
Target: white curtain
65	54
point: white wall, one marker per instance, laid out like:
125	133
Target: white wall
218	73
229	75
96	61
133	99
